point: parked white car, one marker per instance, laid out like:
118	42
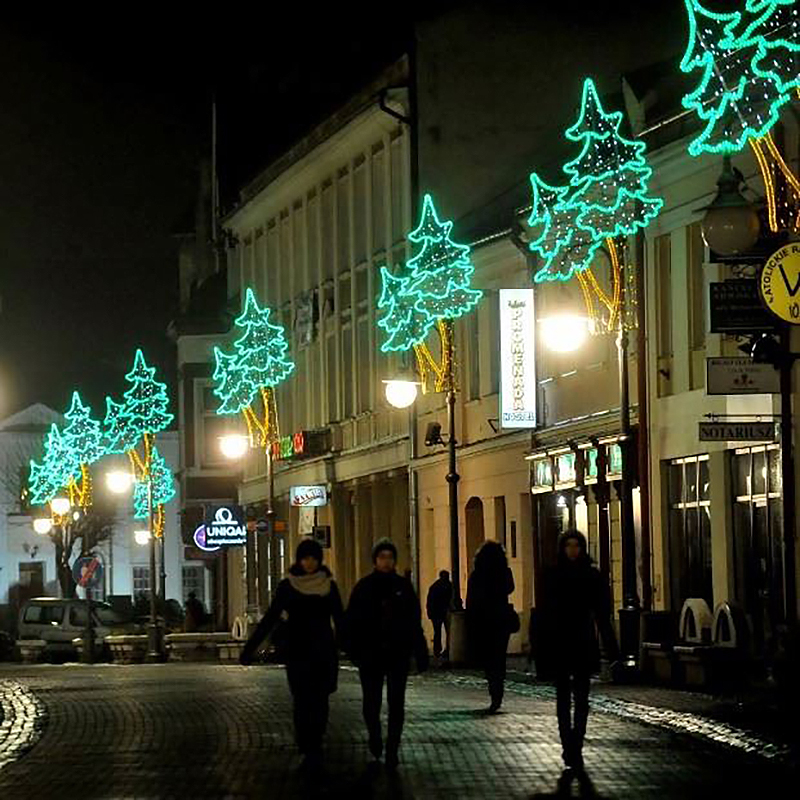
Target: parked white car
58	621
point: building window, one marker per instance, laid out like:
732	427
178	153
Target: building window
194	582
663	259
493	304
757	536
696	256
690	530
214	426
473	355
378	200
141	581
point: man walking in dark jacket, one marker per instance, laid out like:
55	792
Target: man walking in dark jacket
440	597
384	629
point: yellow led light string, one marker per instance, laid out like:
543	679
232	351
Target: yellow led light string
769	184
780	162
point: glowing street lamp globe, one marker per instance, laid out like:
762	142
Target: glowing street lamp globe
564	333
234	445
400	393
119	481
43	525
141	537
60	506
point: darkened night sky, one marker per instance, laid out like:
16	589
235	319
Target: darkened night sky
102	124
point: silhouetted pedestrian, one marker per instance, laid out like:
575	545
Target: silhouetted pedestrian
194	615
438	606
491	619
576	607
384	627
306	602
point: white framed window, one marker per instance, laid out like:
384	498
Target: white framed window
194	582
141	581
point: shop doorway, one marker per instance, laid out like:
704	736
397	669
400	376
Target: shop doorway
554	514
475	532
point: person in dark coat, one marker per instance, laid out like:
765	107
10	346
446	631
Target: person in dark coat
384	629
438	604
195	614
576	607
308	606
489	614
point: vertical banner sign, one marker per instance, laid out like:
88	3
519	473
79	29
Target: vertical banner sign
517	359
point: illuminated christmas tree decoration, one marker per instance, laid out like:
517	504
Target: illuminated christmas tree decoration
776	32
67	456
747	71
606	195
146	401
163	490
258	364
405	323
609	177
436	287
83	436
55	472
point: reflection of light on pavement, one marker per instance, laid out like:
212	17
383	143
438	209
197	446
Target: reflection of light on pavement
23	716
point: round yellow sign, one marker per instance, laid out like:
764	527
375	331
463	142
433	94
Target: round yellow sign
780	283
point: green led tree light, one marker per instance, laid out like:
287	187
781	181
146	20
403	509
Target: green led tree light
609	177
747	65
163	482
143	412
55	471
606	195
259	361
436	286
67	455
83	435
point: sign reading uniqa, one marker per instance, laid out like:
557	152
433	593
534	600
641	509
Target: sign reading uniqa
780	283
225	529
306	496
517	359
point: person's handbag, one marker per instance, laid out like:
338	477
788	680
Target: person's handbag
512	619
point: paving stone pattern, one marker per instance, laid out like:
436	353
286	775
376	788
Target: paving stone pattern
193	731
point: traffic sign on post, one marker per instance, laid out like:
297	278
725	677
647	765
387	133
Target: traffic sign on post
88	572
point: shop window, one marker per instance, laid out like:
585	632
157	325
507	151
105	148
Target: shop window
542	475
758	537
689	530
194	581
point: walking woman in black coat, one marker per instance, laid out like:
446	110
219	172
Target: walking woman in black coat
490	616
576	607
306	602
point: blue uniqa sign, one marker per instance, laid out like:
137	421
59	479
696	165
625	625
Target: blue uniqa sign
224	527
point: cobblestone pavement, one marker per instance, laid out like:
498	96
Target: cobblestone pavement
209	731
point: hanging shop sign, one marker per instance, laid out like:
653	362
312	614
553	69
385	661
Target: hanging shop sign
517	359
308	496
737	432
224	527
779	284
303	444
735	306
740	375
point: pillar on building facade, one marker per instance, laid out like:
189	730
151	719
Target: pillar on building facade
722	570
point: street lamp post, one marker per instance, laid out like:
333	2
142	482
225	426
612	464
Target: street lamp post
565	331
